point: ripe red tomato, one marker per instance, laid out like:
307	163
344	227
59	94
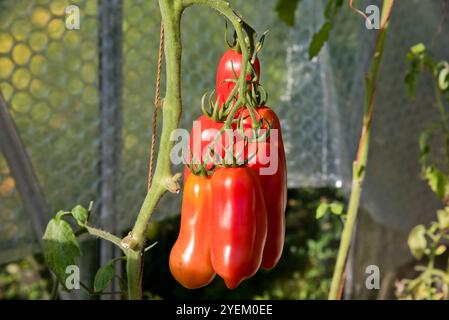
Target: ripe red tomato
238	225
274	185
229	66
190	262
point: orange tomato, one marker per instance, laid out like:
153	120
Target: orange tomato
190	262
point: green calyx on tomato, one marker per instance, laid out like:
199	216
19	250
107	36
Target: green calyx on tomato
229	69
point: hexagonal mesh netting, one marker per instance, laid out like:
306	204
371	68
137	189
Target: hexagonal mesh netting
49	78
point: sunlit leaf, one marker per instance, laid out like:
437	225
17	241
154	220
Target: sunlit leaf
418	48
440	250
443	79
417	241
321	210
336	208
443	219
80	214
436	180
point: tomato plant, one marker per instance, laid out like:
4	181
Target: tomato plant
230	203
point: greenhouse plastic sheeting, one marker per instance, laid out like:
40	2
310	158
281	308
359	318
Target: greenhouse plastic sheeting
394	193
49	77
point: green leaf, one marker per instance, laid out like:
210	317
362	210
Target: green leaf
418	49
443	219
443	79
440	250
286	11
332	7
321	210
80	214
417	241
433	228
61	248
319	39
436	180
418	57
336	208
104	276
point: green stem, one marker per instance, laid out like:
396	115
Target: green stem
163	179
104	235
359	166
134	271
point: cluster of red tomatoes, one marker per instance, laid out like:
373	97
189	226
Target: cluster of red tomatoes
233	216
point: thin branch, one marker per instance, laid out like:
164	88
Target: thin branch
105	236
359	166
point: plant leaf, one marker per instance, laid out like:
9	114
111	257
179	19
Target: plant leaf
80	214
443	219
321	210
440	250
418	49
61	248
336	208
436	180
104	276
417	241
417	57
319	39
286	11
443	79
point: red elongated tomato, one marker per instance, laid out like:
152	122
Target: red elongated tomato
239	224
229	67
273	182
190	262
